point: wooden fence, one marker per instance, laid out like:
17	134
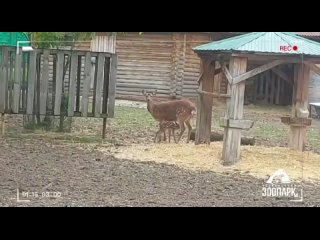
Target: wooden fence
58	83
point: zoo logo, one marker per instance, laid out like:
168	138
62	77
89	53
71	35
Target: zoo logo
280	186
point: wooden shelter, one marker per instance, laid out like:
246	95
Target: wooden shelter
242	58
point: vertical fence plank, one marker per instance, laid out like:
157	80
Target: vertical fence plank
112	85
31	82
4	80
59	78
44	81
17	83
86	85
99	86
72	83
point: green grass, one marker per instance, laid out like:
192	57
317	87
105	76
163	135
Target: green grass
133	118
136	125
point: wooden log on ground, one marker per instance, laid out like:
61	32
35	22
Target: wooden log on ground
218	137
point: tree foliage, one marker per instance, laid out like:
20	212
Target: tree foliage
62	39
58	39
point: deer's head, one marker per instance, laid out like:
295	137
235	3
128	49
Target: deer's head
149	94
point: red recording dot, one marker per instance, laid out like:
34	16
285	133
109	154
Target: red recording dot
295	48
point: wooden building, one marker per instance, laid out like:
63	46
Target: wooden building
162	61
165	61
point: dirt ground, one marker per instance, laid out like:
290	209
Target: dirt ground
89	178
73	170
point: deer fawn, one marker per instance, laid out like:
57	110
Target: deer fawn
167	125
175	110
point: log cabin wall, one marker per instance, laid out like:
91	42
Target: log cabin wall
156	61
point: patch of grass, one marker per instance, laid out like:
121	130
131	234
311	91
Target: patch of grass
45	135
133	118
314	138
270	132
136	126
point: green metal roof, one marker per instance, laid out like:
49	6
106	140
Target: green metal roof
264	42
11	38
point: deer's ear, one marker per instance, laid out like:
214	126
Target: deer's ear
144	92
155	92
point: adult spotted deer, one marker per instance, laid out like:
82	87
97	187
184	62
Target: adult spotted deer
172	111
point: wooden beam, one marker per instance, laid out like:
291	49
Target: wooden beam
217	71
232	136
225	70
298	134
313	67
273	57
283	75
213	94
297	121
257	71
233	123
205	102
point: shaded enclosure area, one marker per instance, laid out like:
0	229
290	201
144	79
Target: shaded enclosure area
88	178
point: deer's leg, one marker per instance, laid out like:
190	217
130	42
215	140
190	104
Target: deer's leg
182	128
157	135
174	136
189	128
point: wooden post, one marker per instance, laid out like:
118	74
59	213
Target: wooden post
232	136
300	110
2	124
205	102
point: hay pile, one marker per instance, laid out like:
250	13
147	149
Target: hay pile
260	162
